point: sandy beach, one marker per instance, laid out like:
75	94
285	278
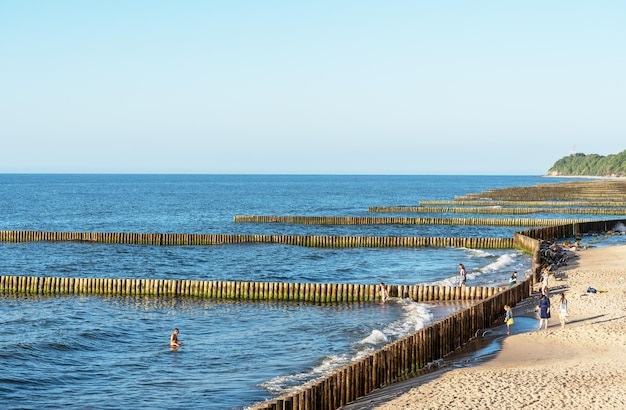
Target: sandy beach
580	366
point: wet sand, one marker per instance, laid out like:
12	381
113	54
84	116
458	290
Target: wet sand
580	366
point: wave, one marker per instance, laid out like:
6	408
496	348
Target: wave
477	253
498	265
374	338
414	317
290	382
496	269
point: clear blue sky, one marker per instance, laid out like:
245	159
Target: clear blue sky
330	87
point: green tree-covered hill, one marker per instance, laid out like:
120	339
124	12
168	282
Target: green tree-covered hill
590	165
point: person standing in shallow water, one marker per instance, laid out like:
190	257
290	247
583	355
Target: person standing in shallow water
513	280
384	295
174	342
508	319
463	274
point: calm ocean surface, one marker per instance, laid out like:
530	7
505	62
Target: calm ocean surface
109	352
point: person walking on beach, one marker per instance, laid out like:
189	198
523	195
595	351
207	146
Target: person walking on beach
384	295
562	309
463	274
513	279
174	342
544	312
508	319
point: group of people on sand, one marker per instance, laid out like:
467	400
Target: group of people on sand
544	304
543	307
544	310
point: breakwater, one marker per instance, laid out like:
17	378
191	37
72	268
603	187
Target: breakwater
589	190
167	239
366	220
551	233
413	354
500	210
407	357
477	202
296	292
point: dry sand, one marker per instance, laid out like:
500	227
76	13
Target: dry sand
580	366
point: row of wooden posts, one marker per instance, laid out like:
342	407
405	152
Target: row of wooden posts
166	239
500	210
412	354
550	233
368	220
591	190
307	292
409	356
525	203
397	361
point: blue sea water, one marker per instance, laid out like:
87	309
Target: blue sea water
112	352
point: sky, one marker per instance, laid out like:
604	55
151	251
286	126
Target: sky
309	87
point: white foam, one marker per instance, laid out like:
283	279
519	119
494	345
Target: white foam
414	317
375	337
501	263
290	382
501	266
477	253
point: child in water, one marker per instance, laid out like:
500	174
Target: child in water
508	318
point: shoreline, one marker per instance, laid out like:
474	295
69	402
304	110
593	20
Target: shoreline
580	366
583	176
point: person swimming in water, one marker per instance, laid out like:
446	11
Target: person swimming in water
174	342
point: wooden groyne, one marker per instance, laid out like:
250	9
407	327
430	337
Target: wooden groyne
365	220
416	353
407	357
552	233
237	290
531	240
297	240
500	210
525	202
589	190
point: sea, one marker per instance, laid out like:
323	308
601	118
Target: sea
103	352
